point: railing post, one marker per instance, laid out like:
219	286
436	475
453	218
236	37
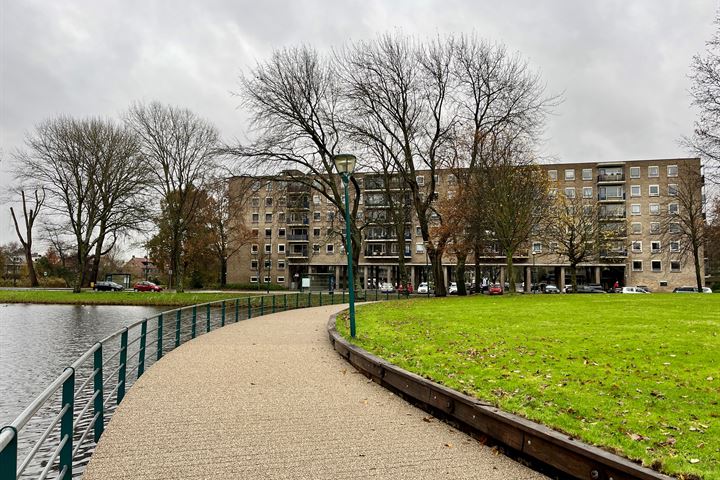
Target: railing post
285	303
332	297
178	321
249	307
262	306
321	298
237	310
207	318
160	337
297	300
123	365
376	294
141	354
343	296
194	321
66	423
8	456
222	314
273	304
98	389
309	304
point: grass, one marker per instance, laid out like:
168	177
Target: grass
636	374
169	299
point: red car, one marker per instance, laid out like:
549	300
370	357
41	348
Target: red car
146	286
405	289
495	289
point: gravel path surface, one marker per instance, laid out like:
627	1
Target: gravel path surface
270	398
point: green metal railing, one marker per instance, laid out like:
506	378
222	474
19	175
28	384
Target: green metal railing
85	395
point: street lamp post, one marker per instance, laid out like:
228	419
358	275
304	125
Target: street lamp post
534	272
345	164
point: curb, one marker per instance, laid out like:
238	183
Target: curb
530	439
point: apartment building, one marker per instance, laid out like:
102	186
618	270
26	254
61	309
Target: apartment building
297	231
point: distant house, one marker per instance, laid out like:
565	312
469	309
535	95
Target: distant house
141	268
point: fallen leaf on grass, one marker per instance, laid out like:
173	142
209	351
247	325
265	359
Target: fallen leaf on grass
449	445
694	460
636	437
427	419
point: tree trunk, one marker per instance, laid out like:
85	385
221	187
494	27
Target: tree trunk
460	276
31	267
510	272
573	277
223	271
698	275
435	256
478	272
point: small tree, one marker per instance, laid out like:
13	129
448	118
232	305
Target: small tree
30	214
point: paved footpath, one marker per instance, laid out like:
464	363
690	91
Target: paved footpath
270	398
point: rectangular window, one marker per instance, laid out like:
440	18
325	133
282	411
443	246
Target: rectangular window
673	209
269	187
254	232
253	279
537	247
316	248
267	277
283	201
316	199
552	175
654	209
570	192
637	246
637	265
674	228
268	218
253	264
281	217
437	179
280	279
675	246
655	228
672	190
316	232
254	248
419	247
674	266
281	232
553	247
672	170
654	190
418	231
653	172
268	248
634	190
268	232
330	216
636	228
634	172
281	248
587	192
656	265
552	193
587	174
635	209
655	246
420	180
255	217
570	174
268	201
317	216
330	248
281	265
255	201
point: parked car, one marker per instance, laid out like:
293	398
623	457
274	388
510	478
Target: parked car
107	287
644	287
631	290
469	287
146	286
692	290
452	289
551	289
387	288
495	289
590	289
423	288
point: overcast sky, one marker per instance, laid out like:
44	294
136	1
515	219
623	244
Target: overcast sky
622	65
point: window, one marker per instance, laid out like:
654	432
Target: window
654	228
281	265
280	279
635	209
253	279
281	217
419	247
675	246
655	246
673	209
570	192
587	174
268	248
268	232
418	231
674	266
656	266
437	179
316	199
674	228
653	171
672	170
330	216
637	265
552	192
267	277
317	216
420	180
268	218
281	232
672	189
634	190
637	246
636	228
587	192
254	248
268	201
316	248
316	232
255	201
654	190
570	174
330	248
283	201
537	247
254	232
654	209
268	187
553	247
268	264
281	248
255	217
634	172
253	264
552	175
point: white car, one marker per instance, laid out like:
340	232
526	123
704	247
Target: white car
632	290
452	289
551	289
423	288
387	288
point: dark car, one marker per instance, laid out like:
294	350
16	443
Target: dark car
146	286
107	287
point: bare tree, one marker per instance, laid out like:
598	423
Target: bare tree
180	149
705	92
683	221
30	214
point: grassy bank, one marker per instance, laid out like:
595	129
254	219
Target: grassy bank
160	299
637	374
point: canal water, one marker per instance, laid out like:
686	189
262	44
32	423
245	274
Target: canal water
38	341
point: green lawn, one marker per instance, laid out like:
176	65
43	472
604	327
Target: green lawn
169	299
636	374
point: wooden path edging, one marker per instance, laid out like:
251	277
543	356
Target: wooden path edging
533	440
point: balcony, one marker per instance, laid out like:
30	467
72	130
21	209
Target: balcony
383	254
300	256
604	197
298	205
613	253
298	237
610	216
611	178
298	221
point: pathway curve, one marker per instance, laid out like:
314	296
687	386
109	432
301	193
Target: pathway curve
270	398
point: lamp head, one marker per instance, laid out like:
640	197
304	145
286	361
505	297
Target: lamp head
344	163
